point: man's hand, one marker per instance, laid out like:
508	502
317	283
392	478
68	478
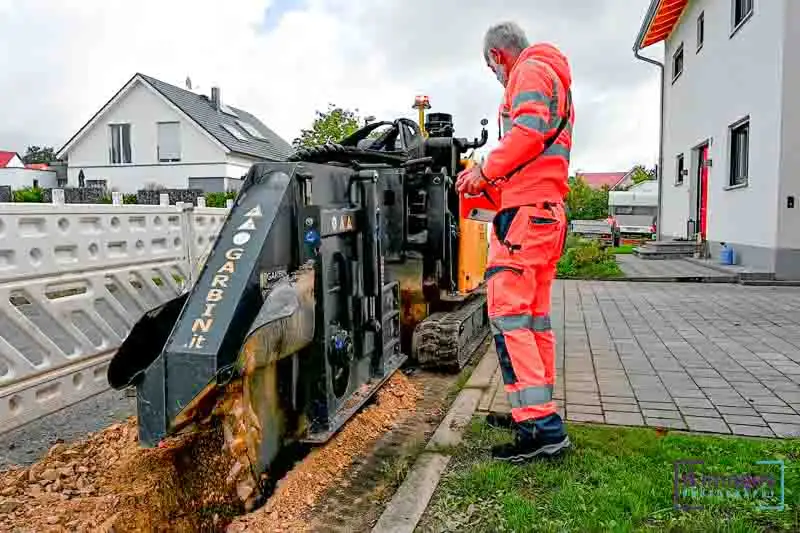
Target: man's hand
471	181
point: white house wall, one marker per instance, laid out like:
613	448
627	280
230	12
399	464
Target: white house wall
729	78
15	162
787	259
143	109
19	178
238	166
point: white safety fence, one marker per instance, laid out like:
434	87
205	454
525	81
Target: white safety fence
74	279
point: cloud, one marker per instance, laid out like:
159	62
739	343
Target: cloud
283	59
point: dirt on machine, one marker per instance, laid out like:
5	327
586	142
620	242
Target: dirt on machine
332	270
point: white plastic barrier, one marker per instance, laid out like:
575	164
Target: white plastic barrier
74	279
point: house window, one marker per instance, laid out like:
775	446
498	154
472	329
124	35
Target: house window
701	23
740	158
742	9
120	143
680	170
169	142
677	63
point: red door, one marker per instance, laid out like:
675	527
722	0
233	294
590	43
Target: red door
703	192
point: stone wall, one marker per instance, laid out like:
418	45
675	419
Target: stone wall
144	197
78	195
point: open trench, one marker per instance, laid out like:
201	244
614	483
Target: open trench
106	482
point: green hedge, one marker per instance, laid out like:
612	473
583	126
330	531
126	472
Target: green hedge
218	199
29	195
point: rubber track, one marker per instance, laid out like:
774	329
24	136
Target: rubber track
447	340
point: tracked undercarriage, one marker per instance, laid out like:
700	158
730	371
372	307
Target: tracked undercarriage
447	340
330	272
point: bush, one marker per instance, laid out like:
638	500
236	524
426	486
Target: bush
587	259
129	199
218	199
28	194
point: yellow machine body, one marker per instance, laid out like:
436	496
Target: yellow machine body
473	250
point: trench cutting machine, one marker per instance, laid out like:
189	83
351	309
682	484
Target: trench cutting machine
331	270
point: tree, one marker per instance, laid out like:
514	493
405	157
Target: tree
586	203
36	154
640	174
332	125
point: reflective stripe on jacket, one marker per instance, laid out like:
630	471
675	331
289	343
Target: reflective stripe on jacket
533	106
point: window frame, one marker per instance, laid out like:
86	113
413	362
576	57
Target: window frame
121	127
680	166
678	51
735	26
158	141
732	154
250	129
237	134
700	30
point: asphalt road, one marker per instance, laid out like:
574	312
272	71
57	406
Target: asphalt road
26	444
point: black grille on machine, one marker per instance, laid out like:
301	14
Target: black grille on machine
439	124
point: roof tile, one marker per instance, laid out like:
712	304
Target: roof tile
200	109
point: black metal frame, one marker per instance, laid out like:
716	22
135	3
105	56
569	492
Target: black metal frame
340	210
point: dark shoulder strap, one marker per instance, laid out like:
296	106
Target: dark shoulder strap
550	140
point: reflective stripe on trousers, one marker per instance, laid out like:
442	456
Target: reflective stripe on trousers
519	280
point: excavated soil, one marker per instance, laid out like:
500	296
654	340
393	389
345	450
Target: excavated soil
300	490
106	482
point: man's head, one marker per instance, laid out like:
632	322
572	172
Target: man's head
502	45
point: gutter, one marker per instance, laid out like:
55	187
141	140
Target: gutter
636	48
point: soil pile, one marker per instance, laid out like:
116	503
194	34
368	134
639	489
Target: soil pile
299	491
108	483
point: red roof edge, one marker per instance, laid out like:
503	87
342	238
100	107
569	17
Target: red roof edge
661	18
5	157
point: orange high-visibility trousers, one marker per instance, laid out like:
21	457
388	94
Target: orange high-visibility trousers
524	250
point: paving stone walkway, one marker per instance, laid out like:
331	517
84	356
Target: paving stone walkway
714	358
635	267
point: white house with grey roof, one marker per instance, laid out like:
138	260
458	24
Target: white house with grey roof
730	169
153	134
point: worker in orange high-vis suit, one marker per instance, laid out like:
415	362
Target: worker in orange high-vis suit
528	171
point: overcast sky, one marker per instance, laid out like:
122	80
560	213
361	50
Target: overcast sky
61	60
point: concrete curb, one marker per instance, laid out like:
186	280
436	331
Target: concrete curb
408	504
675	279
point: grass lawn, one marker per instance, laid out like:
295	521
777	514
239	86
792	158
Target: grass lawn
613	479
622	249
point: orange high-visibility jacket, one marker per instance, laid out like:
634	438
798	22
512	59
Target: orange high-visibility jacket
534	103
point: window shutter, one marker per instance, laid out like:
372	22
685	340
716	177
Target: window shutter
169	141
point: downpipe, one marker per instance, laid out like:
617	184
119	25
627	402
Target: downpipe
660	176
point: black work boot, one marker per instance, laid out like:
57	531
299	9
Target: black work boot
500	420
526	447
